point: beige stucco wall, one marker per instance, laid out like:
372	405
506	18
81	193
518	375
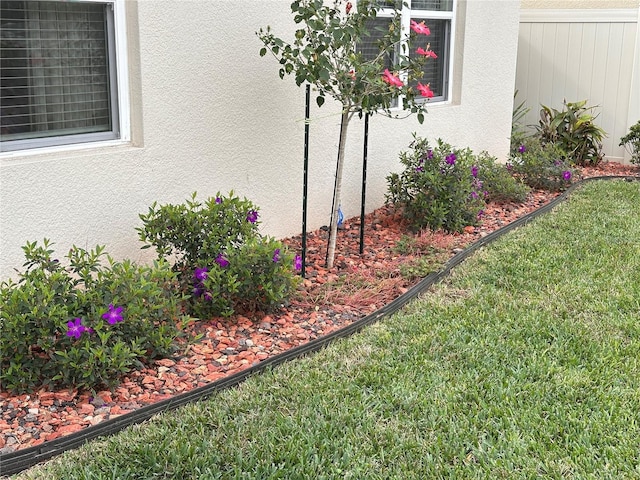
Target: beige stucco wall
210	115
579	4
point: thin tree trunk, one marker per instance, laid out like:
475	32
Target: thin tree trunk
337	190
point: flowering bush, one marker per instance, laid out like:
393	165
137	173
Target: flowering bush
224	264
542	165
83	325
439	187
498	181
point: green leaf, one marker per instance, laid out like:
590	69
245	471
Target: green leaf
420	118
320	100
263	51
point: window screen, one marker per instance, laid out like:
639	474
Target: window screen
57	77
435	70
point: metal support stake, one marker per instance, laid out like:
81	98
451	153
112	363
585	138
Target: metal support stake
305	179
364	180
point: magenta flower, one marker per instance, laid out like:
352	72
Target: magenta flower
427	53
419	169
474	195
222	261
522	149
480	214
75	328
429	154
113	315
566	175
474	171
420	28
276	255
425	90
450	159
297	262
252	216
201	274
391	79
218	200
509	167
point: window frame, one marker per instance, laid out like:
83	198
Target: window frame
408	14
119	94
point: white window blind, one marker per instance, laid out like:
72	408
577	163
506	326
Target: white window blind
57	73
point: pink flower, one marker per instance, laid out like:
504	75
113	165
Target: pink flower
349	7
425	90
352	74
427	53
420	28
391	79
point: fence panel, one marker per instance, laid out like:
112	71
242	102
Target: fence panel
582	55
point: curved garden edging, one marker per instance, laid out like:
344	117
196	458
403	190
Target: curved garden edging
14	462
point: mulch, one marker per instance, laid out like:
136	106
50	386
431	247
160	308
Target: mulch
327	300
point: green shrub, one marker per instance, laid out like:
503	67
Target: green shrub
225	266
518	131
574	131
631	142
438	188
498	181
86	324
542	166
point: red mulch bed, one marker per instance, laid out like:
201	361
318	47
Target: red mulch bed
328	300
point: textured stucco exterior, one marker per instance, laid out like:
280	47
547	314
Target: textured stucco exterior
209	114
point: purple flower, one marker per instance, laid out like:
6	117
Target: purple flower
113	315
474	171
222	261
566	175
218	200
480	214
429	154
207	296
297	262
201	274
252	216
75	328
198	291
276	255
522	149
509	167
419	169
450	159
474	195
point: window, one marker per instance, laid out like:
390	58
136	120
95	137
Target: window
438	15
58	75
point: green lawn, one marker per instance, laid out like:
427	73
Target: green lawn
523	364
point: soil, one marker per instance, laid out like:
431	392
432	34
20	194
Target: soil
327	300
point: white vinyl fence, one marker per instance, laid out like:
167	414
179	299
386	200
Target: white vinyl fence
591	55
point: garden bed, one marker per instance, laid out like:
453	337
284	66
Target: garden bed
327	301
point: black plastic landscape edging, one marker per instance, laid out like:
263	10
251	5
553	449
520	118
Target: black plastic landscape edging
14	462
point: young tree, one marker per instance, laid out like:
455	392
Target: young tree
327	53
